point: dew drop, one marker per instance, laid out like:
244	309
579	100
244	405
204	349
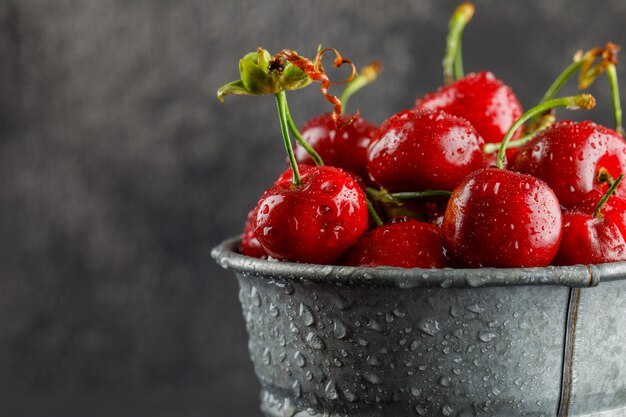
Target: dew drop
255	298
372	378
300	359
273	310
340	330
307	314
428	326
267	357
331	390
315	341
486	336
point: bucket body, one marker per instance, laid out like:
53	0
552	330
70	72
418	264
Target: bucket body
340	341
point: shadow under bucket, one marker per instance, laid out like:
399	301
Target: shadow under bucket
346	341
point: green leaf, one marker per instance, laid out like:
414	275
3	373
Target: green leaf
254	78
233	87
263	59
294	78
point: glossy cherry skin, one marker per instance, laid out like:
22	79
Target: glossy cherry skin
589	240
614	209
499	218
250	245
483	100
424	150
568	156
344	148
315	222
405	243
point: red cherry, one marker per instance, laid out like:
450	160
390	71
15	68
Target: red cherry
568	157
614	210
344	148
590	240
483	100
404	243
250	245
421	150
500	218
315	222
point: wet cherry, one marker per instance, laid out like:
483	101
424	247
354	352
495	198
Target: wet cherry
502	219
569	156
404	243
483	100
315	221
344	148
592	238
589	240
421	150
250	245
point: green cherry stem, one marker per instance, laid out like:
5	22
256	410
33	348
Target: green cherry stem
367	75
294	129
372	211
452	60
597	211
385	197
585	101
562	79
411	195
545	122
281	103
611	73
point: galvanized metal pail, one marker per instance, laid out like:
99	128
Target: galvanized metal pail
345	341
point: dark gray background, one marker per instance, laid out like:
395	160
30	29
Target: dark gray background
119	171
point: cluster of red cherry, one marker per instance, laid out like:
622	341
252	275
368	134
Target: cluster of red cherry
463	179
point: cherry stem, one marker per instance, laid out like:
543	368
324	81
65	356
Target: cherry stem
281	103
611	73
597	211
386	197
367	75
562	79
452	60
545	122
585	101
294	129
372	211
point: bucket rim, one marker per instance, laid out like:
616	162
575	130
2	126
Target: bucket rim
575	276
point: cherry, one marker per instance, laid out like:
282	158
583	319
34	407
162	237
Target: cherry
344	148
421	150
569	155
591	239
404	243
503	219
250	245
315	221
614	210
483	100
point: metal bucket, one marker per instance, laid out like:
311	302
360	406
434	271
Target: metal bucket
344	341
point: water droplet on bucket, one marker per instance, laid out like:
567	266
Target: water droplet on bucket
331	390
486	336
300	359
267	356
255	298
428	326
340	330
372	378
315	341
307	314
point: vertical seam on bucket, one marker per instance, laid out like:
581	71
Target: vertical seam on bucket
568	352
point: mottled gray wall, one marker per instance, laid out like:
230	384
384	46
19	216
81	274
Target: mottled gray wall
119	170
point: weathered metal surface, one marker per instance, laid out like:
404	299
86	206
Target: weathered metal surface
365	342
